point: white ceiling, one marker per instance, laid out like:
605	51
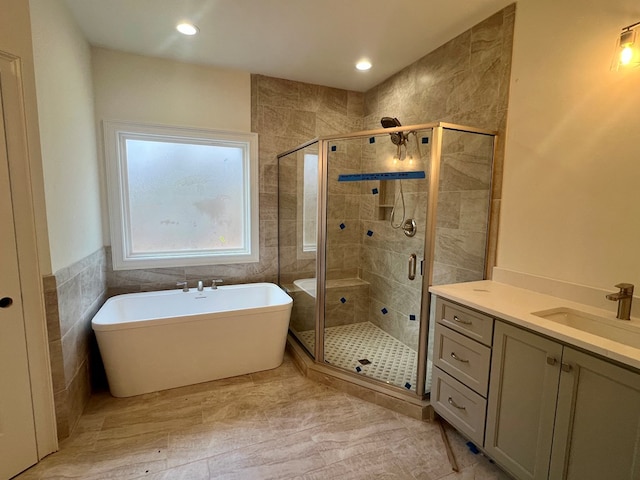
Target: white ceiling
314	41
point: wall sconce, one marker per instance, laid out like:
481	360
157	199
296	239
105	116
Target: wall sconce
627	48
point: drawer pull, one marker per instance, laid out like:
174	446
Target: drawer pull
454	404
455	357
463	321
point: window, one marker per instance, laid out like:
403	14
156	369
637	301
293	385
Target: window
181	196
310	202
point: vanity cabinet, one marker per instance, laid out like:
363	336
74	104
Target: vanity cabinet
540	408
462	355
597	427
558	413
525	371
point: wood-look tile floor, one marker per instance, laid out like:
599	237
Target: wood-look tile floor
268	425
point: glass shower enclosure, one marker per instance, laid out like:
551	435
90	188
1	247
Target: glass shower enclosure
367	221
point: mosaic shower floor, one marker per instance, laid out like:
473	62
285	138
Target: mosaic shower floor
391	360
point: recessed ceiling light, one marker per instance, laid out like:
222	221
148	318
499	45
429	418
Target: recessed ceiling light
363	65
187	28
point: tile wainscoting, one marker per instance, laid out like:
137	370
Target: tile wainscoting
74	294
72	297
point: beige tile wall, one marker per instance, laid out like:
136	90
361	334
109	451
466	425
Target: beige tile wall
72	297
286	114
344	232
465	81
463	208
385	254
294	262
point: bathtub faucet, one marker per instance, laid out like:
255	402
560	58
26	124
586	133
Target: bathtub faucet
183	285
214	284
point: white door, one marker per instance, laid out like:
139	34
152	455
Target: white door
17	430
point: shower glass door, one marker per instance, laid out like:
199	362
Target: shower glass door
463	212
297	237
377	189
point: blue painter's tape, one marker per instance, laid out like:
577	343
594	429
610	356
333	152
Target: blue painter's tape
374	191
412	317
425	139
407	386
342	226
384	310
372	139
358	369
363	177
472	448
369	233
343	300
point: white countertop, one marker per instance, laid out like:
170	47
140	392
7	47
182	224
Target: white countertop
515	305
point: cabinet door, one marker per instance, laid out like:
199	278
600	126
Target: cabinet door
523	388
597	433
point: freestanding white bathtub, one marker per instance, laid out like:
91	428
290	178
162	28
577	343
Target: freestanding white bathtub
159	340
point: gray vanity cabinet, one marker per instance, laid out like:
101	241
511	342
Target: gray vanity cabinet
461	358
525	370
557	413
597	428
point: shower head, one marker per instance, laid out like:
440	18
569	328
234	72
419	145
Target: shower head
389	122
397	138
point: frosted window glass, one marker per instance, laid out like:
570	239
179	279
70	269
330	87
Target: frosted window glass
181	196
310	203
185	197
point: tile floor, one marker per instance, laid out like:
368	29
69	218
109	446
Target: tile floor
391	360
268	425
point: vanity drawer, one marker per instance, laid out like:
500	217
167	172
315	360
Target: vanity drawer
460	406
464	359
473	324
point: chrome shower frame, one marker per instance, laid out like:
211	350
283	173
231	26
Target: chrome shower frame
437	129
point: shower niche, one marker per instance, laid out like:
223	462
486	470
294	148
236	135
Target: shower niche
360	282
386	199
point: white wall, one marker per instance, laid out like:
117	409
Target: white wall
65	105
152	90
15	39
571	192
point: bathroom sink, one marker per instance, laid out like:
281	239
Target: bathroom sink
621	331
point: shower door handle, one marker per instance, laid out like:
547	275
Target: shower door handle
412	266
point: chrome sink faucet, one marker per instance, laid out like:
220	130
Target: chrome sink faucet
183	285
624	298
200	286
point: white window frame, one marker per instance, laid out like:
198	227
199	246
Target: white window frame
115	135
